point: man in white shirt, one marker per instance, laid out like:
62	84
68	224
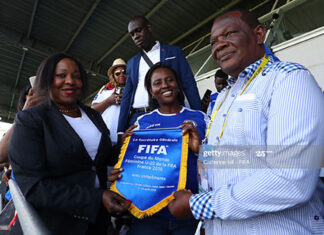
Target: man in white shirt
272	120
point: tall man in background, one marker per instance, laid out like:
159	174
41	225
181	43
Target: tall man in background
135	96
273	106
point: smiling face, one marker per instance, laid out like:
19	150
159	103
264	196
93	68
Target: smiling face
141	33
235	44
67	85
164	87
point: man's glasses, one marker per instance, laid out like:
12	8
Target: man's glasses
118	73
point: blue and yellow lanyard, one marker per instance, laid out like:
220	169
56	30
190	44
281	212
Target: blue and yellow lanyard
256	72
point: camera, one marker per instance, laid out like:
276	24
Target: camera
119	90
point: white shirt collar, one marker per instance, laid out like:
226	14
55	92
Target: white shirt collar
155	47
171	114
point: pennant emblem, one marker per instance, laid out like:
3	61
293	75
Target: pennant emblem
155	165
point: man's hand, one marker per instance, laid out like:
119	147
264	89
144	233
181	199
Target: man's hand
180	207
114	203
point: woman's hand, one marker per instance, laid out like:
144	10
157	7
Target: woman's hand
128	132
111	99
115	98
101	107
6	176
114	203
194	136
115	174
180	207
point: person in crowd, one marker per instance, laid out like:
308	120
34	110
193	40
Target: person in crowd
166	98
135	98
220	80
26	100
59	151
107	101
273	106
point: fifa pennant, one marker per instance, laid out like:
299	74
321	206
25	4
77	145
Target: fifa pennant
155	165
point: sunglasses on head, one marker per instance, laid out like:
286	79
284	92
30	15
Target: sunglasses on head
118	73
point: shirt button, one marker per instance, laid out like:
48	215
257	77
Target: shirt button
239	110
217	138
233	95
316	217
224	115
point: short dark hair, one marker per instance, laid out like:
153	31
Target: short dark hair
147	82
220	73
22	97
247	16
45	74
143	18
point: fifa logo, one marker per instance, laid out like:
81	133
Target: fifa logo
152	149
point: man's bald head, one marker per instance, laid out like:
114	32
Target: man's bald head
246	16
143	19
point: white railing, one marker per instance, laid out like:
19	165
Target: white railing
29	220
